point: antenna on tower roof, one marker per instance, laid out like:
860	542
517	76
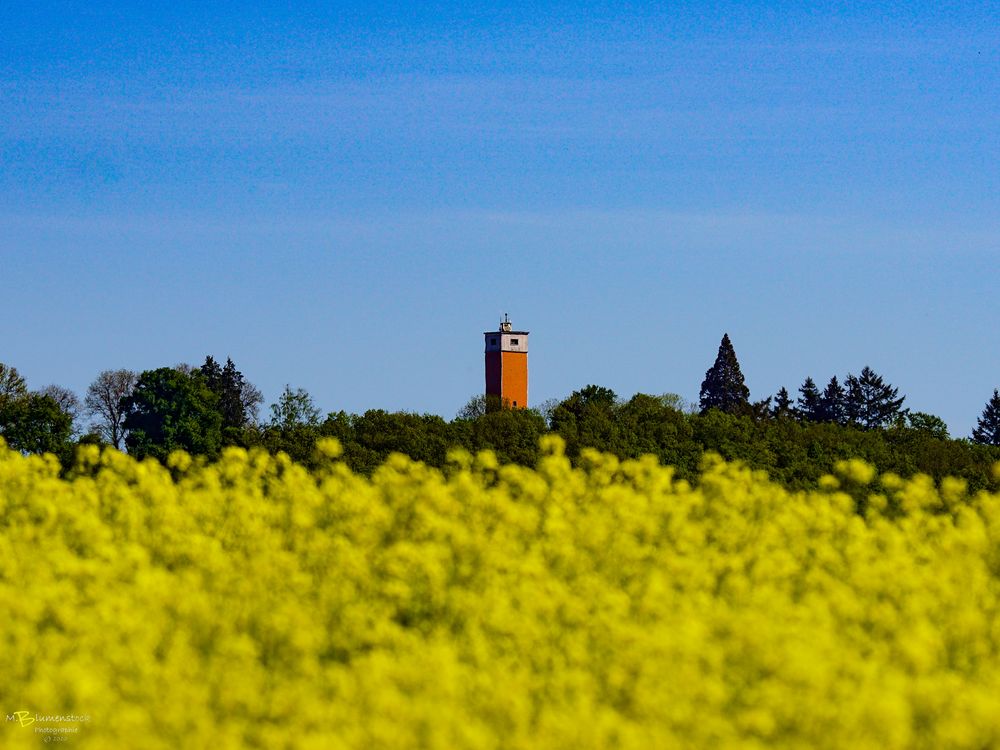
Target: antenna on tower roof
505	323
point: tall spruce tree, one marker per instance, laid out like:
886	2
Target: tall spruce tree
987	430
723	387
212	373
809	401
238	399
783	407
230	396
872	403
831	404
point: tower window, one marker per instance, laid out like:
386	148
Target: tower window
493	342
513	342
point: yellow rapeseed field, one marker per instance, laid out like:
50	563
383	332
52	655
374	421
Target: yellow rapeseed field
250	603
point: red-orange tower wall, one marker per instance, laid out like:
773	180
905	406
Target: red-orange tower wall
507	377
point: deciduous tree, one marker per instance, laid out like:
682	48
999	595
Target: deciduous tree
67	401
586	418
474	408
105	400
34	423
294	409
929	424
511	433
169	410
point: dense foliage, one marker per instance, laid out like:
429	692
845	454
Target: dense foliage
794	452
170	410
33	422
252	603
204	409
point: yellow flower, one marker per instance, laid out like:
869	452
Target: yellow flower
251	603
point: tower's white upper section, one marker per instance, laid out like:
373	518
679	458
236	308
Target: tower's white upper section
506	339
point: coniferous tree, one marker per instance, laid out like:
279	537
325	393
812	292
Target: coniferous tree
230	403
987	430
212	373
809	401
760	410
870	402
231	390
238	399
783	406
723	387
831	404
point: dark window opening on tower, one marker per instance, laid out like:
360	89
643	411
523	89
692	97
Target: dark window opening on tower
513	342
493	342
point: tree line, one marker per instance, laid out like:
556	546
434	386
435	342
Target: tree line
864	401
206	408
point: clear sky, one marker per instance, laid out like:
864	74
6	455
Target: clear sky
344	197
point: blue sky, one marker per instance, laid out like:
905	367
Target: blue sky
344	197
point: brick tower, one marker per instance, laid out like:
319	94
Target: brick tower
507	365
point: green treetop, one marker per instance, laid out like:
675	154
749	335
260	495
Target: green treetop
723	387
987	430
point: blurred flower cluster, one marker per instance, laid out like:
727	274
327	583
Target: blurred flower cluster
252	603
